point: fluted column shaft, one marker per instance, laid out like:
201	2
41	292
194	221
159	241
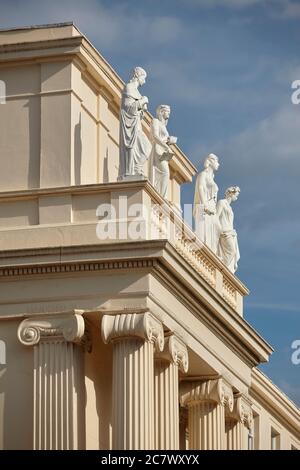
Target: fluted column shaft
166	406
206	402
206	426
133	397
167	363
238	423
56	395
235	435
58	388
134	337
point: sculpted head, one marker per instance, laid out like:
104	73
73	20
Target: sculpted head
163	111
212	161
138	74
232	193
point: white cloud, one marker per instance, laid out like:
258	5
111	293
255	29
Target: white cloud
239	4
272	142
274	138
182	81
178	80
114	26
288	73
279	9
165	29
289	10
263	147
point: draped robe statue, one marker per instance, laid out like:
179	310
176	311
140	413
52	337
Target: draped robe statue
161	152
135	147
228	248
205	203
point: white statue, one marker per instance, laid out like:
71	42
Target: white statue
161	152
205	203
135	148
228	248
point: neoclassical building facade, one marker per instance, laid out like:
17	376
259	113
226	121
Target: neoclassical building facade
117	332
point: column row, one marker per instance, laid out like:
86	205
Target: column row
145	381
217	419
148	388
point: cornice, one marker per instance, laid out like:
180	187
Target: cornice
224	320
272	398
152	255
67	48
60	24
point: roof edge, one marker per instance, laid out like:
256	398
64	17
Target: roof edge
39	26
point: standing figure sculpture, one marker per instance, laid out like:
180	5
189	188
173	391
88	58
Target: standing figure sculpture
205	203
161	152
135	147
228	249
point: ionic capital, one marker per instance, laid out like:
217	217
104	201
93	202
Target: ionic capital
175	351
141	325
214	390
67	326
242	411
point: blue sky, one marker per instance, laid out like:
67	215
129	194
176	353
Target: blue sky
226	68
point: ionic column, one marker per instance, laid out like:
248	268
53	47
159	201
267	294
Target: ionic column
58	388
134	337
206	402
173	357
238	423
